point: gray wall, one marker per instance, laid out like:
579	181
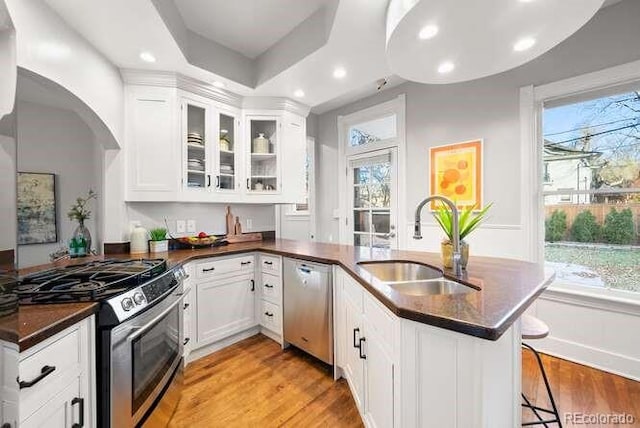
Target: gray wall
57	141
487	108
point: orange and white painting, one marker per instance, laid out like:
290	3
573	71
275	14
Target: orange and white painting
456	172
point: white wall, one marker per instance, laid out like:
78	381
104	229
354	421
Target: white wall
47	46
57	141
487	108
210	218
8	226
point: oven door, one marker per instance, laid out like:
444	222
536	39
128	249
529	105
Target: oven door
145	352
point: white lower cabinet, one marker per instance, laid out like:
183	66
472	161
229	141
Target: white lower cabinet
366	355
225	307
57	379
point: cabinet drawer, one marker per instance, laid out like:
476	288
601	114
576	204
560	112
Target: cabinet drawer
353	291
270	264
271	316
63	354
272	288
225	266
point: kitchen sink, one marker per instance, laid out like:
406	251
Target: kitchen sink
414	279
431	287
394	272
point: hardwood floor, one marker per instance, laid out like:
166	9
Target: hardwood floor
255	383
577	388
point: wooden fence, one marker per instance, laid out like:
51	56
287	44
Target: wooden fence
600	211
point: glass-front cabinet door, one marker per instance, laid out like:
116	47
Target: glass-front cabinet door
227	161
196	145
263	168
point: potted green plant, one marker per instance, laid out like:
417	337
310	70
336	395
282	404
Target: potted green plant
158	242
468	221
80	243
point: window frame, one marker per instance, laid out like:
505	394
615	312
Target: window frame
532	100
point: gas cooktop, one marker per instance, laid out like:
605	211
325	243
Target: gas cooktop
89	282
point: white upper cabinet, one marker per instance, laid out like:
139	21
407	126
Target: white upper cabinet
183	146
153	174
294	131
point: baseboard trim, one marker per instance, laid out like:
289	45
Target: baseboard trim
205	350
589	356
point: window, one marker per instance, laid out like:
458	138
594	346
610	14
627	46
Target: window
592	205
304	208
373	131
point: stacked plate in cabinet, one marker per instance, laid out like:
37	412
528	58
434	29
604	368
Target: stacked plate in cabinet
195	138
195	164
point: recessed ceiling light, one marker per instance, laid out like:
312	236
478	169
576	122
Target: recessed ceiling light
524	44
428	32
147	57
339	73
218	84
299	93
446	67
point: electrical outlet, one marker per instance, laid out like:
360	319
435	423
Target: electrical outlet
191	226
181	226
249	224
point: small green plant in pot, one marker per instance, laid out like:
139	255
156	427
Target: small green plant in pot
468	221
158	242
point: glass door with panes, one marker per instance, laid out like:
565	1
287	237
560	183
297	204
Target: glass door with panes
227	151
263	168
373	199
196	145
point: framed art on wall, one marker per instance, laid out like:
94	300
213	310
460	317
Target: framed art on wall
456	172
36	208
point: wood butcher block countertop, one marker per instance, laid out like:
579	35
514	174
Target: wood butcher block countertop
507	287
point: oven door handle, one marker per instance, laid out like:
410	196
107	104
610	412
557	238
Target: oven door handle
152	322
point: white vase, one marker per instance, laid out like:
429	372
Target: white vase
138	240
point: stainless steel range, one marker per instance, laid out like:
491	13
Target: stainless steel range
139	331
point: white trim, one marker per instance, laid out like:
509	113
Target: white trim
170	79
395	106
604	299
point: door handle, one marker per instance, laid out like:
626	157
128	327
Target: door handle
248	184
253	285
186	305
208	180
269	314
217	181
44	372
211	269
356	343
361	348
186	340
80	401
268	286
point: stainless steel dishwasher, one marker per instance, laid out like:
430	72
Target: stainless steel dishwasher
308	308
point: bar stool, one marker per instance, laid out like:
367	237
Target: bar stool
534	328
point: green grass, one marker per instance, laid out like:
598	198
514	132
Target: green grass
618	267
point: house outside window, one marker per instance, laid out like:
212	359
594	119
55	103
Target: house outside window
591	190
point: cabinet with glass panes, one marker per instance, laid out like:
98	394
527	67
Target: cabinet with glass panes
263	167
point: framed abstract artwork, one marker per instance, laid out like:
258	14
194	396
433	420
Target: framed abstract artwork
456	172
36	208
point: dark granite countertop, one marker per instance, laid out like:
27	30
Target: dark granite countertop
506	288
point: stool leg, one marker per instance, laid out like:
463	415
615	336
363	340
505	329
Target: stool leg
546	383
530	406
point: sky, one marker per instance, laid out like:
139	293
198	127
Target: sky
572	121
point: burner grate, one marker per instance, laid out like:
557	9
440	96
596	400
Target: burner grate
90	281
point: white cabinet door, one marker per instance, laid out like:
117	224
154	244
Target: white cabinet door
379	382
294	157
353	363
153	172
225	307
62	410
264	149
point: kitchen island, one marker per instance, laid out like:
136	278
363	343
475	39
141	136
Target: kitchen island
439	360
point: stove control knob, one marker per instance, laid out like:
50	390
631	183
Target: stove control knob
138	297
127	304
